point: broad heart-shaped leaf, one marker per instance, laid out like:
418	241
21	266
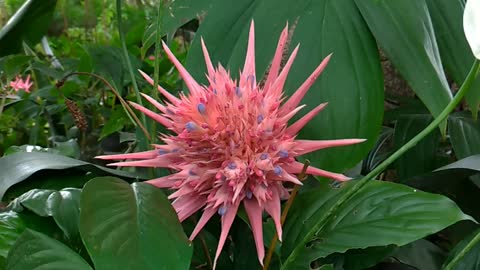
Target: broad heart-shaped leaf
421	158
404	30
464	134
131	227
36	251
454	49
382	213
466	257
322	27
28	24
62	205
17	167
471	25
11	226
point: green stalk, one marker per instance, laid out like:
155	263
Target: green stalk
129	64
158	44
362	182
463	252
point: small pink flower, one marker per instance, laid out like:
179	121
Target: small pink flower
232	143
151	58
19	84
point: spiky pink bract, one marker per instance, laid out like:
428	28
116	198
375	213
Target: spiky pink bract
233	144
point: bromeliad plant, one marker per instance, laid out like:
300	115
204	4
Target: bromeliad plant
235	149
233	144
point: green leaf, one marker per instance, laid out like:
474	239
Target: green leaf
421	158
420	254
395	214
12	65
456	56
117	120
322	27
454	182
18	167
466	255
471	25
34	250
174	14
464	134
62	205
131	227
359	259
404	30
28	24
11	226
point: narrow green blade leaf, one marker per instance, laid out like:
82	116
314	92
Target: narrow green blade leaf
466	255
35	251
404	30
464	135
131	227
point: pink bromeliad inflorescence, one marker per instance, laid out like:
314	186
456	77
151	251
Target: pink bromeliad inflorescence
232	143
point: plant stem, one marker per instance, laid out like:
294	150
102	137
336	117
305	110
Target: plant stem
302	176
122	101
462	253
362	182
127	58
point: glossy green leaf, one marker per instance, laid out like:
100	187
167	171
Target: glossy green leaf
11	226
454	182
464	134
404	30
117	120
466	254
359	259
62	205
454	49
35	251
28	24
471	25
395	214
421	158
131	227
420	254
322	27
18	167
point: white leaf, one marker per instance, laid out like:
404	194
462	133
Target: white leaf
471	25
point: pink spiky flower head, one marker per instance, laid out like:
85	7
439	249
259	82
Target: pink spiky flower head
233	144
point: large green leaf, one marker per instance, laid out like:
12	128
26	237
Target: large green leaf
62	205
466	255
36	251
456	55
18	167
131	227
322	27
421	158
404	30
11	226
464	134
28	24
394	214
421	254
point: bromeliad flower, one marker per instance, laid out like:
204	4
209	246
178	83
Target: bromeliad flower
232	143
19	84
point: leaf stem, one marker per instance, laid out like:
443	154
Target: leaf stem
463	252
302	176
127	58
363	181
